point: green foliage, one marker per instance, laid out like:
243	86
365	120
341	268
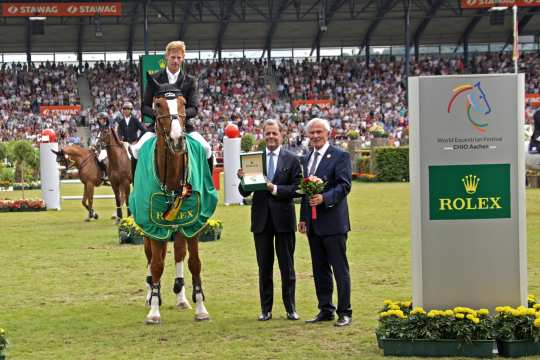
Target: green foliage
246	144
517	324
379	134
261	146
352	134
3	151
363	164
7	175
390	164
460	323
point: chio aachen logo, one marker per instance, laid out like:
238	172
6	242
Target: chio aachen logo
476	104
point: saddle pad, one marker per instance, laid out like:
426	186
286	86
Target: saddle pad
148	201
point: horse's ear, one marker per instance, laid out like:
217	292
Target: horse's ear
54	152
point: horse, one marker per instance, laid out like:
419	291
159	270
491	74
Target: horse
475	102
118	170
169	162
89	173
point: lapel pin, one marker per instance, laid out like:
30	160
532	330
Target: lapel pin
328	156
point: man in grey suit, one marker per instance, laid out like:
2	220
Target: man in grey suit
273	217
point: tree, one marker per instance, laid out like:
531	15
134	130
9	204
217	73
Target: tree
23	153
246	144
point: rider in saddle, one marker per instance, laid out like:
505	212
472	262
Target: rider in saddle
534	144
101	152
172	74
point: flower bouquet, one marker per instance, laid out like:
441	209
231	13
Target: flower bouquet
310	186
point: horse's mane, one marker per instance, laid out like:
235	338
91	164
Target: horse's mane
116	139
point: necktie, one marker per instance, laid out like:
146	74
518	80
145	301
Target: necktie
314	164
271	168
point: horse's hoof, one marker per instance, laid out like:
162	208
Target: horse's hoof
113	217
183	306
87	220
202	317
153	320
96	216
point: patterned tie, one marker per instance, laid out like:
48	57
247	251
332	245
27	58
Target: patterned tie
314	164
271	168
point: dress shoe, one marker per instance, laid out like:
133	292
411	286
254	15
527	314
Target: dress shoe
265	316
343	320
322	316
292	316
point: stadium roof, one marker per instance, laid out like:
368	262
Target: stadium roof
260	24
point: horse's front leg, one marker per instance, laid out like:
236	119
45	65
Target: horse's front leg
118	200
194	264
148	253
180	250
159	250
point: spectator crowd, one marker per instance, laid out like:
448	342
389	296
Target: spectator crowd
363	99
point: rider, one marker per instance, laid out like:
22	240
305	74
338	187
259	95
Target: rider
103	122
172	74
534	144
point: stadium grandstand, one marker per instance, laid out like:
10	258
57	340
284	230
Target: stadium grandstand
344	60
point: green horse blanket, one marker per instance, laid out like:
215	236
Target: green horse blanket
148	201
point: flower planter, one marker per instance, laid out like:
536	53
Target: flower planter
210	235
379	341
518	348
131	237
438	348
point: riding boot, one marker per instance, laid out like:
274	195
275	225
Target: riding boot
103	167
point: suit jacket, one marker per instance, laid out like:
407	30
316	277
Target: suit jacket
333	213
533	143
185	83
280	207
129	133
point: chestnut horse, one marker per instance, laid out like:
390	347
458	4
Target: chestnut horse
119	168
89	173
171	163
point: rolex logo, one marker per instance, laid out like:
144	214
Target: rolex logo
471	183
162	63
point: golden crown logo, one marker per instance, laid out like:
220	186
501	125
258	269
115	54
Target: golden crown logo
471	183
162	63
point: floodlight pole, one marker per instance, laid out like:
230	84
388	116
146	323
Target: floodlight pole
515	49
407	6
146	27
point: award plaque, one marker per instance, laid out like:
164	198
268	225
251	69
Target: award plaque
252	163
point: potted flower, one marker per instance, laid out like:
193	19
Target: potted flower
3	344
129	232
212	231
452	332
517	330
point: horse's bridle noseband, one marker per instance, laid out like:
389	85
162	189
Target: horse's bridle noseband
170	96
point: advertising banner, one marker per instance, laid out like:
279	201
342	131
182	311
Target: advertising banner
150	64
49	110
479	4
62	9
468	191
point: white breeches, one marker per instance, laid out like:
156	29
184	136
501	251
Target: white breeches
102	155
135	148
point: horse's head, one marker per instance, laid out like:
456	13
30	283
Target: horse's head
61	157
478	100
170	108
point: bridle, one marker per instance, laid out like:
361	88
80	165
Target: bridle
172	150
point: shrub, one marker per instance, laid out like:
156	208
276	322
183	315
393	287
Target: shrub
391	164
246	144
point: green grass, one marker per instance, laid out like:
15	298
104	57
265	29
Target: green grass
69	291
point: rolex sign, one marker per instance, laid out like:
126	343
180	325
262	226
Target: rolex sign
469	191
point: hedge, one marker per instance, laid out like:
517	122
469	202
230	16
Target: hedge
390	164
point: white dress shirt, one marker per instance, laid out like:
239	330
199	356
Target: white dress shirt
275	159
321	152
172	77
127	120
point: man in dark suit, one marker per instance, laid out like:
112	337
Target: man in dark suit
172	74
327	234
128	126
534	143
273	217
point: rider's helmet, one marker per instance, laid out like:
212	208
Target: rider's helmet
103	118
